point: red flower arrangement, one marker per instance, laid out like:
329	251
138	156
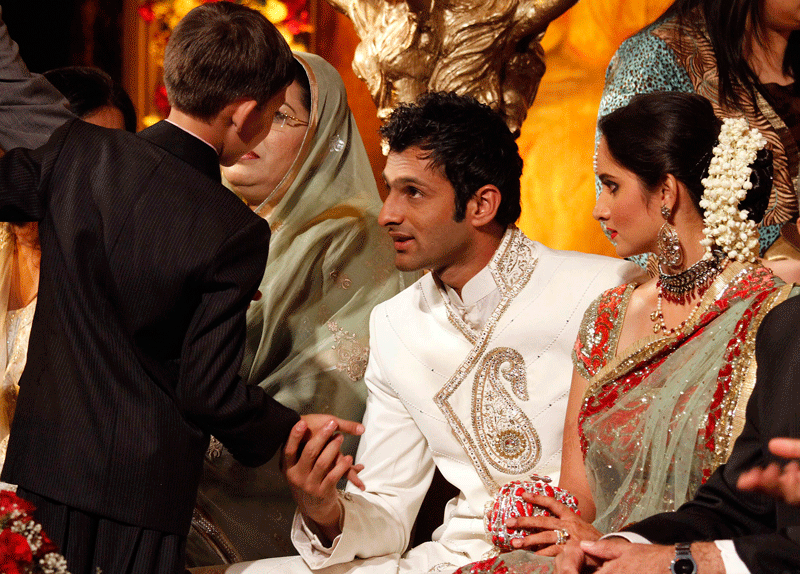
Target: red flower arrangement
24	547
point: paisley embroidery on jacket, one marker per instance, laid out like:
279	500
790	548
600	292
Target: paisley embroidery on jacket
512	267
506	437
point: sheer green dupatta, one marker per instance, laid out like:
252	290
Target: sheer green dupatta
661	416
330	263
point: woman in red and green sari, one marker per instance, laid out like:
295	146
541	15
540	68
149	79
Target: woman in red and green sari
664	365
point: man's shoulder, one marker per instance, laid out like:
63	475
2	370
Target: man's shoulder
564	263
406	299
136	170
780	324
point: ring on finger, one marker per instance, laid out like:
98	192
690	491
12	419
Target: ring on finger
561	536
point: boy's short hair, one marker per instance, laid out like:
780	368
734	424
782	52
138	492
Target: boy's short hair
221	52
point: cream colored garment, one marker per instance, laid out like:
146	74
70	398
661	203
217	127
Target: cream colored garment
329	264
14	335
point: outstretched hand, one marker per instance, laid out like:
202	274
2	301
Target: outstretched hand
543	528
313	463
783	483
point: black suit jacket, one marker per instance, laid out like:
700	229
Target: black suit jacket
148	265
766	533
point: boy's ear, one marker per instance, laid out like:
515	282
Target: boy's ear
242	112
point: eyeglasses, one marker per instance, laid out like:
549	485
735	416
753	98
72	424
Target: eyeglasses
282	119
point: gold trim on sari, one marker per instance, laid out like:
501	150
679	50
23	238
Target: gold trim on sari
658	418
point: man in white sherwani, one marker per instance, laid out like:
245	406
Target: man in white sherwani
469	368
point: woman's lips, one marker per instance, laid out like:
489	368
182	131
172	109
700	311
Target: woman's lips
251	155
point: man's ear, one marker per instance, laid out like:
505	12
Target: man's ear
483	205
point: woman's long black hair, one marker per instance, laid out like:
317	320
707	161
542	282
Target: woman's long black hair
726	24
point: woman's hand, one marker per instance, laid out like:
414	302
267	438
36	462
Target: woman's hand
543	535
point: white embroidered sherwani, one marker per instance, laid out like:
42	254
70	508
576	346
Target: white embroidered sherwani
477	388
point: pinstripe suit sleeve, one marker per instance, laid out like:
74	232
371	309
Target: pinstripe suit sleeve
30	107
24	176
251	424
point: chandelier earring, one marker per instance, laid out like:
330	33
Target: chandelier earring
670	252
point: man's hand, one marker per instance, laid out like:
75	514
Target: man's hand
316	424
313	473
783	483
618	556
572	560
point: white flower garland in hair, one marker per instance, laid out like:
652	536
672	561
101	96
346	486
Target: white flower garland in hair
727	184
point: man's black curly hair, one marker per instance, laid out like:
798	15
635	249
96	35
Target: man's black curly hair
465	138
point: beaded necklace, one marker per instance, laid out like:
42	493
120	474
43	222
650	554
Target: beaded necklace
692	282
697	290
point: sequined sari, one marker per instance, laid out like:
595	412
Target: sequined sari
659	417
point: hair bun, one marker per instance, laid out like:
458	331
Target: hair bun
757	199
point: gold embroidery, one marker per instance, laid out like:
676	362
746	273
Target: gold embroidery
5	234
743	379
648	346
352	355
506	436
511	266
592	338
341	280
214	449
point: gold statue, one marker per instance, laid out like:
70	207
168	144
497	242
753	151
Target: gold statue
488	49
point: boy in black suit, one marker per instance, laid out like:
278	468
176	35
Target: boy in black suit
148	265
